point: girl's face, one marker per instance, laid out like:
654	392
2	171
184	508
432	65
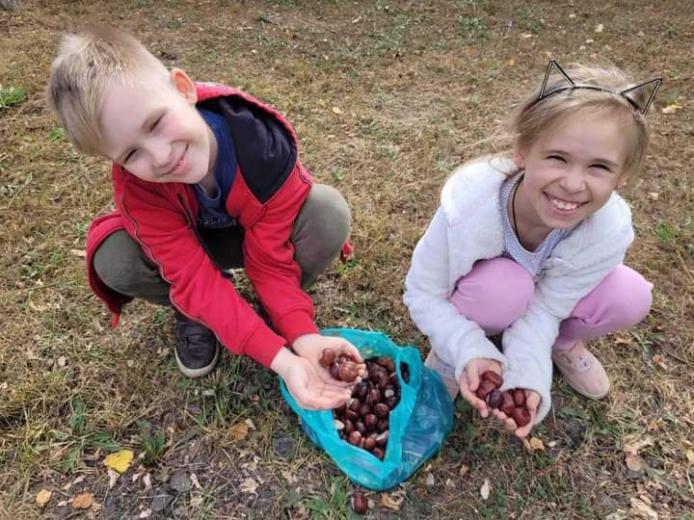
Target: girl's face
571	170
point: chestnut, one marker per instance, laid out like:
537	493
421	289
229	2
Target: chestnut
359	503
507	404
348	372
370	421
327	357
485	388
494	399
334	371
354	438
374	396
518	396
381	409
378	452
521	415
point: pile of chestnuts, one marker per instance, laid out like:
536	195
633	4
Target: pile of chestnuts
511	402
363	420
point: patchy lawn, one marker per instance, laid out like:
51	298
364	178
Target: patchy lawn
387	97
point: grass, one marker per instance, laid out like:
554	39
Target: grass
416	84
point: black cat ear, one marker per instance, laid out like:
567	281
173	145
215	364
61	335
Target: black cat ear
649	88
554	68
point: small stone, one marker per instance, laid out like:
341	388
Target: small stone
283	447
161	502
180	482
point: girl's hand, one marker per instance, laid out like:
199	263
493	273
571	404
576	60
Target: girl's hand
470	380
532	402
310	347
306	385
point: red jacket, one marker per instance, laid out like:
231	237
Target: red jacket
161	218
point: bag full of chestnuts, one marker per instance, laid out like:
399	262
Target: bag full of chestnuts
397	418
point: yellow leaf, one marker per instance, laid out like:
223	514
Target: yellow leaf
120	461
337	110
690	456
537	444
83	500
238	431
390	502
43	497
671	109
635	463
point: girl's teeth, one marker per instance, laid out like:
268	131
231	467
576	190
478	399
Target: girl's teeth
566	206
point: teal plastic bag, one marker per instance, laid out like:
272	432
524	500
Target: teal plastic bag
418	425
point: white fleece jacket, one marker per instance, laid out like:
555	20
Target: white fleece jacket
467	227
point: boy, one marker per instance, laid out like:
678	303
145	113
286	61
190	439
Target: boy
205	178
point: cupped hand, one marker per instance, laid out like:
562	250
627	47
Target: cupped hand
532	403
311	346
470	381
306	385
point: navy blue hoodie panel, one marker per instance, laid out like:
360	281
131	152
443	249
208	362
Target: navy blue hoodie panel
265	150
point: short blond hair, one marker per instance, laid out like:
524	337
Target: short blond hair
86	63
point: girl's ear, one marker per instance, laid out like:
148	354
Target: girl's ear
519	159
182	82
623	181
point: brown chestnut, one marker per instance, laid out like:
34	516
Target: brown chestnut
374	396
381	409
348	372
378	452
360	427
361	390
359	503
521	415
334	370
354	438
507	404
485	388
494	399
327	357
370	421
382	425
382	439
349	427
518	396
369	443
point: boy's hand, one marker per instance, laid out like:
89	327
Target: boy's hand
532	402
305	384
470	380
310	347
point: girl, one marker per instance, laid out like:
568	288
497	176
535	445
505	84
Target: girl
530	244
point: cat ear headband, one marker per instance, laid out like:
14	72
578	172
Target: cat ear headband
628	94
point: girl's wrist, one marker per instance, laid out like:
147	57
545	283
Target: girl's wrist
282	362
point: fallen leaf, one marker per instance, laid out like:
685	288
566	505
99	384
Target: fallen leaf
289	477
430	480
572	16
197	501
484	490
659	360
112	477
690	456
671	109
653	195
635	463
120	460
642	510
195	481
599	28
146	513
337	110
390	502
631	444
238	431
43	497
147	481
250	423
463	470
537	444
249	486
81	253
83	500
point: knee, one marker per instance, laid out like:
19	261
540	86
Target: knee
630	295
331	216
117	263
495	293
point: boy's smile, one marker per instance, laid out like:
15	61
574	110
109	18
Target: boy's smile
570	172
152	129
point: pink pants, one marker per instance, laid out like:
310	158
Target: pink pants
497	292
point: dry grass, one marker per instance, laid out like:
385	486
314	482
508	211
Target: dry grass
416	83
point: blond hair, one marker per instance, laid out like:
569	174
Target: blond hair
86	63
533	117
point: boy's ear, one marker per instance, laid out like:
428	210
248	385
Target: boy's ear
182	82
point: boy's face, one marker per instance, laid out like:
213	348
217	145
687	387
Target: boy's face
152	129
